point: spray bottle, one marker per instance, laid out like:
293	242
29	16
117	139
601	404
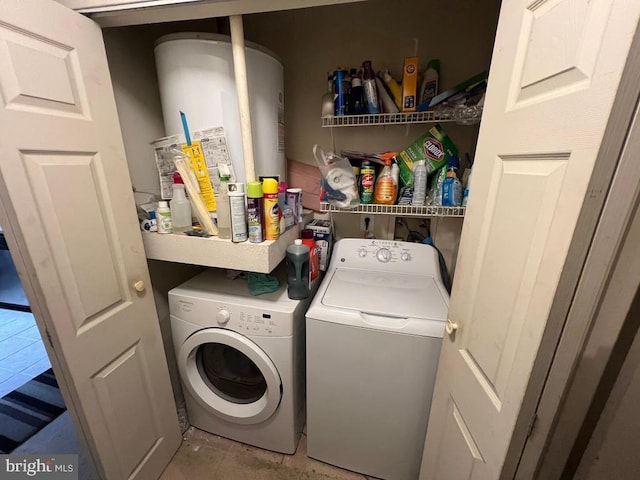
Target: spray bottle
370	90
271	210
385	189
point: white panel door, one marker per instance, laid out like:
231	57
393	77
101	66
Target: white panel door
555	70
65	182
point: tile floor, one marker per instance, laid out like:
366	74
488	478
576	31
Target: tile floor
206	456
22	353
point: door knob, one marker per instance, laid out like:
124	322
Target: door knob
451	327
139	286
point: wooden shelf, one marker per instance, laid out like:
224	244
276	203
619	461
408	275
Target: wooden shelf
214	252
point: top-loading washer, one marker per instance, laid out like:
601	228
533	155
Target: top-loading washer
374	331
241	359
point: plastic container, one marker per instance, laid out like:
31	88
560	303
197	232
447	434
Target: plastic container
255	212
238	212
314	259
394	87
327	98
180	206
385	189
370	89
356	98
341	88
271	210
163	217
388	105
419	183
451	190
298	271
429	87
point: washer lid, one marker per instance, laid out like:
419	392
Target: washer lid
391	294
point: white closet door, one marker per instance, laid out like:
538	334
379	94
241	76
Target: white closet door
65	185
555	70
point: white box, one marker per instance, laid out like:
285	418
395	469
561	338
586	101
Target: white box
322	235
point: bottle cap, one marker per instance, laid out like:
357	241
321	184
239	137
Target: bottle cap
282	187
306	233
163	204
297	241
236	187
177	179
387	76
270	185
254	190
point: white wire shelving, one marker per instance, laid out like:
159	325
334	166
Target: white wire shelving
469	116
398	210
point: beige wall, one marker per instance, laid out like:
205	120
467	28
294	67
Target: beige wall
313	41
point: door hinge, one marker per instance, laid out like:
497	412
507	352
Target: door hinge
532	425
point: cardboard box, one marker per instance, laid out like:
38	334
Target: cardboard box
322	235
409	84
434	147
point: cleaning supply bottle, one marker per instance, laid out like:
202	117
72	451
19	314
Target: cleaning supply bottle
180	206
370	89
465	195
451	189
163	214
367	182
394	87
388	105
271	210
429	88
255	211
356	97
419	183
238	212
306	236
298	271
327	98
222	206
385	189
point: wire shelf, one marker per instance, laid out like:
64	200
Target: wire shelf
387	119
398	210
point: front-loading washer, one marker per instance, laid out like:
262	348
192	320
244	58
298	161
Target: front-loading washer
241	359
374	331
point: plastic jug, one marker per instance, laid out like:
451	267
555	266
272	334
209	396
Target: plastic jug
298	272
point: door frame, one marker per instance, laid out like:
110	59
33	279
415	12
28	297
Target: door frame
600	232
27	273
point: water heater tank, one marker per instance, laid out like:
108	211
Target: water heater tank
196	76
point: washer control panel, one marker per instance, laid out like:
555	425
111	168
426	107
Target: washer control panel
386	255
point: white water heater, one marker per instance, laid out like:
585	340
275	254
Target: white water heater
196	76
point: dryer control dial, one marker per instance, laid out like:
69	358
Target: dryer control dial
405	256
362	252
223	316
383	255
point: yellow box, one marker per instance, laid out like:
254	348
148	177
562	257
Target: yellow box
409	84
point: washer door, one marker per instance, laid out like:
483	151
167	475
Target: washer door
230	376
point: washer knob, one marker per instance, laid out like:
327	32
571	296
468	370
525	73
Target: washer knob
362	252
406	256
223	317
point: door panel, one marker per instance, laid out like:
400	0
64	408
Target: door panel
64	177
554	74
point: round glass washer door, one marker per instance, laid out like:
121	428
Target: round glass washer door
230	376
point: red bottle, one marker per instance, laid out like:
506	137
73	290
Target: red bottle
314	261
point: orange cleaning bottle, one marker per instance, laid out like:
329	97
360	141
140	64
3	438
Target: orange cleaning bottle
386	189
